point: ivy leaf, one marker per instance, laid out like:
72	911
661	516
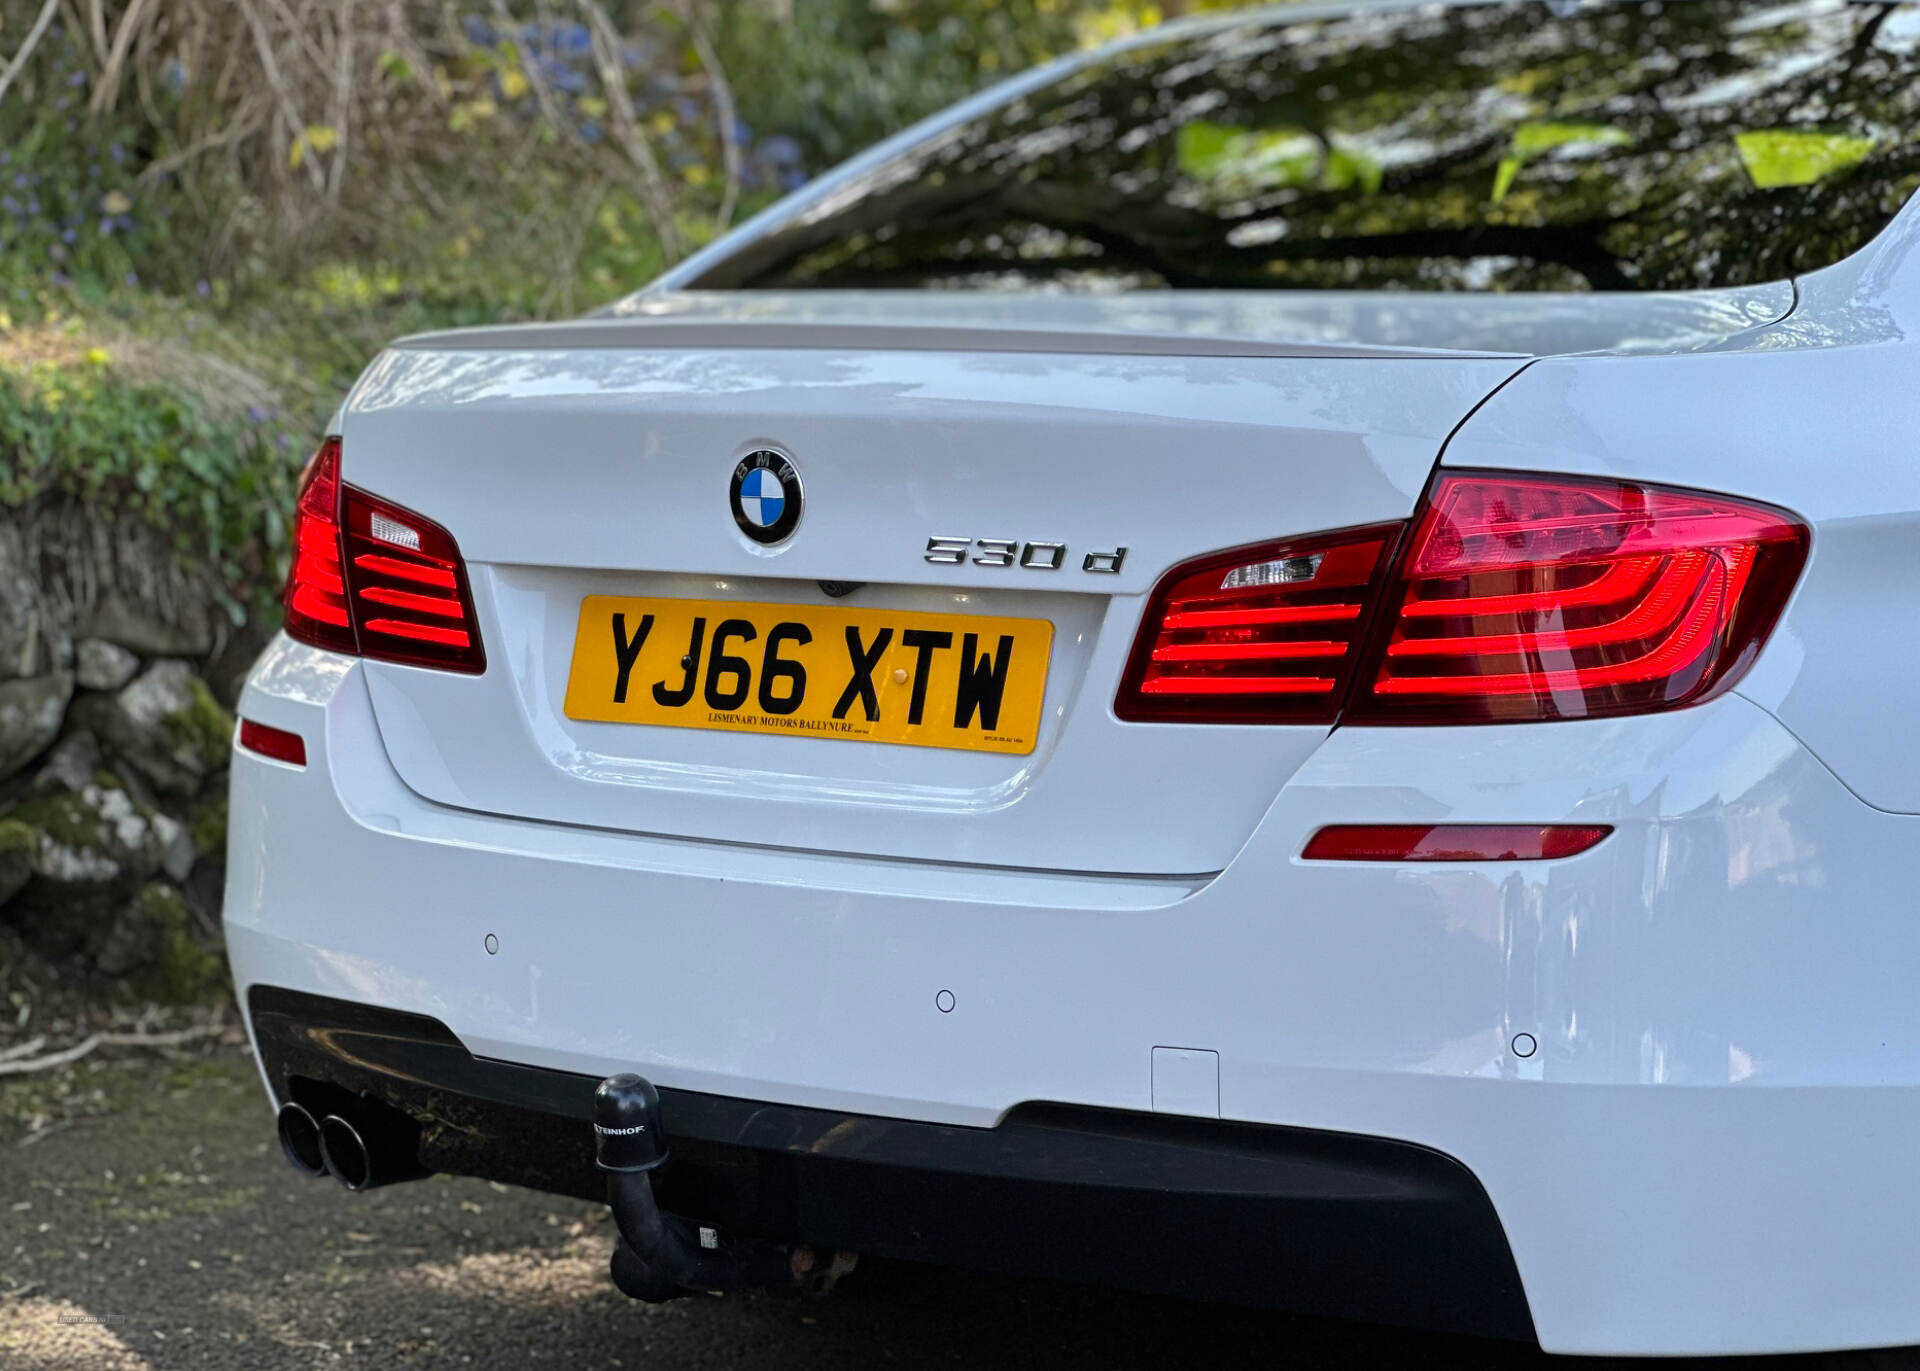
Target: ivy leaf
1535	140
315	138
394	67
1239	160
1788	157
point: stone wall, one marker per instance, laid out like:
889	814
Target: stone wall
116	677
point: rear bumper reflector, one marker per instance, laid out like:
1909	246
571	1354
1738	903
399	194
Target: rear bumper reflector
1451	842
276	743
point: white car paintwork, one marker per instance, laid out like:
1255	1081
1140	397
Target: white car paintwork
1326	323
1711	1149
560	472
1710	1152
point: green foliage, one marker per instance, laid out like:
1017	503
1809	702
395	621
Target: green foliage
222	488
72	209
203	727
843	74
1238	161
1538	139
186	971
209	829
1790	157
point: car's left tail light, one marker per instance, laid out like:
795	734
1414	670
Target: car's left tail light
1527	597
377	580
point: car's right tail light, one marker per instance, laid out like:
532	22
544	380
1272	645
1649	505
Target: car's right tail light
1257	635
1516	597
377	580
1548	597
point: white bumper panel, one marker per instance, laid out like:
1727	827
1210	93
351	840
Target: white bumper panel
1710	1151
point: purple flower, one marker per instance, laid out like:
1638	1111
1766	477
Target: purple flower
202	289
562	77
79	78
60	278
793	180
117	153
285	441
590	131
68	236
256	414
781	150
479	31
132	279
106	228
10	205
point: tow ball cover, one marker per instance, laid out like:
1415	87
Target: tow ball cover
627	1135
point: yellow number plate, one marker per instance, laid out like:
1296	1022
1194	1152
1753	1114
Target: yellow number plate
871	675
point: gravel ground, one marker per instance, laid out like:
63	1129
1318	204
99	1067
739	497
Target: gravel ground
158	1227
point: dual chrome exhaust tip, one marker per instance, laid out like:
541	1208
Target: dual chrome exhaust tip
366	1146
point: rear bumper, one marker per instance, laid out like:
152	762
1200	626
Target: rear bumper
1709	1151
1322	1222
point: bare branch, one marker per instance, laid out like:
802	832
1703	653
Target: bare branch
342	116
67	1055
97	30
34	35
542	93
25	1049
288	110
106	90
654	193
724	110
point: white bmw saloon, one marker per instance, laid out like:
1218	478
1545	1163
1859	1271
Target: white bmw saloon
1278	663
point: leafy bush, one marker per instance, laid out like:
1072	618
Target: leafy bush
842	74
149	451
70	201
839	75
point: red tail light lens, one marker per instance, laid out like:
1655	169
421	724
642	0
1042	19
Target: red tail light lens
372	578
1259	635
1451	842
317	610
1540	597
410	596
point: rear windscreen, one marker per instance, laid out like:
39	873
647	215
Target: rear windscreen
1506	147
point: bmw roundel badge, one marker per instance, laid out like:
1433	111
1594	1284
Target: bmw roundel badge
766	496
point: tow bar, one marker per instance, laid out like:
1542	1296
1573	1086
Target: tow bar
661	1256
